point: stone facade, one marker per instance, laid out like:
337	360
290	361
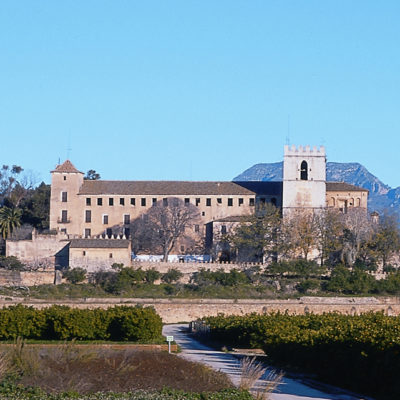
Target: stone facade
41	249
304	178
99	254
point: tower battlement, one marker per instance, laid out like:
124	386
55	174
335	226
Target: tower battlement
304	151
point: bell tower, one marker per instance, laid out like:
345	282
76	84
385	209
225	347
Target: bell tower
304	178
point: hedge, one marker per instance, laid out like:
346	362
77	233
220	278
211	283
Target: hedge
358	352
121	323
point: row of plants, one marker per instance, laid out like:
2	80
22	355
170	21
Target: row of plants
12	391
358	352
121	323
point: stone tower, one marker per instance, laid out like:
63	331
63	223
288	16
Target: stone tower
304	178
66	181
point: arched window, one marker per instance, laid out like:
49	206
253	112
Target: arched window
304	171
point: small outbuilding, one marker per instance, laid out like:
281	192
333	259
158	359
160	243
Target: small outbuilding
97	254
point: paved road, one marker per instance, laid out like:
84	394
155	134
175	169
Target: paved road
288	389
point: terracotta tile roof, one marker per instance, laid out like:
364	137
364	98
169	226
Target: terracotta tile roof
66	166
343	187
178	188
99	243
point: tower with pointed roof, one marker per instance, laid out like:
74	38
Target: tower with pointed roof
66	181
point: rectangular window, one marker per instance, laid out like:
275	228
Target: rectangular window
88	216
88	201
197	228
165	202
154	201
182	249
84	253
143	202
262	200
187	201
127	219
87	233
110	201
121	201
208	202
223	229
64	216
65	178
99	201
251	202
240	201
133	201
110	255
230	202
197	201
64	196
219	200
105	219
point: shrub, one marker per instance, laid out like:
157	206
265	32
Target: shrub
172	275
65	323
75	275
135	324
11	263
151	275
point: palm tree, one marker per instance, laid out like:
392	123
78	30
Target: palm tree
10	218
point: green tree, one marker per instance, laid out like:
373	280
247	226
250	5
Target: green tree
172	276
92	175
75	275
257	236
10	218
152	275
385	241
36	207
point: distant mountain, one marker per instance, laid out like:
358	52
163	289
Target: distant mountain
380	197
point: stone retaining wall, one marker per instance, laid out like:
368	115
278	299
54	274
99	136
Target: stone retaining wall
185	310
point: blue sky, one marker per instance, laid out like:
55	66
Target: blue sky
198	90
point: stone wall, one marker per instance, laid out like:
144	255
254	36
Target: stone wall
26	278
185	310
40	250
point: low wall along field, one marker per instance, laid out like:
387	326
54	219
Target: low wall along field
186	310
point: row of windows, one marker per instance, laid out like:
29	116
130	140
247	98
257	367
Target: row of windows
165	201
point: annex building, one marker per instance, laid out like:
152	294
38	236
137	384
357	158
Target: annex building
95	216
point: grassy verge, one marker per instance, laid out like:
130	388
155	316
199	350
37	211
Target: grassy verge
71	372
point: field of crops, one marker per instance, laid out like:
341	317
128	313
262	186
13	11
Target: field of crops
358	352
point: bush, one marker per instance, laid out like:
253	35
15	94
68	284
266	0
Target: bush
134	324
151	275
65	323
75	275
11	263
308	285
359	352
172	275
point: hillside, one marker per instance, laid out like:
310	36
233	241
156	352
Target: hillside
381	196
